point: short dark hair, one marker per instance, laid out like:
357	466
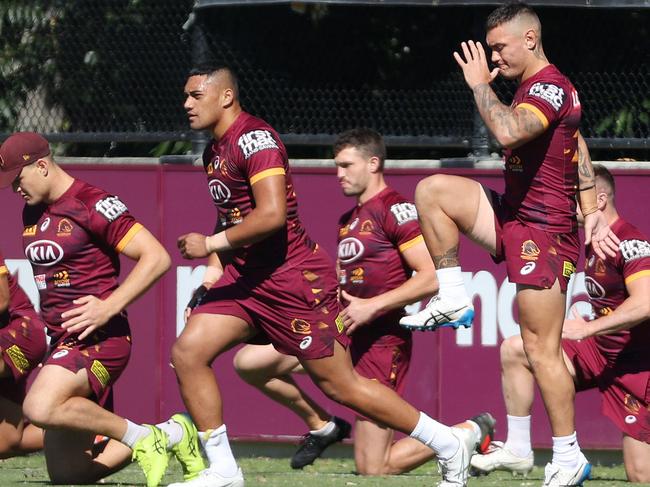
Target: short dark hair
505	13
366	140
603	173
211	69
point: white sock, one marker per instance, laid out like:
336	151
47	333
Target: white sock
325	430
134	432
436	436
174	432
518	441
451	282
566	451
217	449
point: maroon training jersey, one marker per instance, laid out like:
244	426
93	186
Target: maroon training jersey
372	237
542	175
248	152
73	246
606	284
19	303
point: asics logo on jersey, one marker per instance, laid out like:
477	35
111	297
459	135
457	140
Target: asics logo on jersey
550	93
634	249
255	141
44	252
219	191
350	249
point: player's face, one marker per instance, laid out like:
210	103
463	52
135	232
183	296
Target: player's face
352	171
202	103
509	52
30	184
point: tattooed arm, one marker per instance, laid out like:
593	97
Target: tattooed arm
597	231
511	127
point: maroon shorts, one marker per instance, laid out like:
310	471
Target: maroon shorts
296	309
387	364
104	356
533	257
23	346
625	386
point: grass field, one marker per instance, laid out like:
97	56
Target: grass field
271	472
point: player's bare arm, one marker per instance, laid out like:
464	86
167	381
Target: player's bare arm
91	312
634	310
268	216
421	285
597	231
511	127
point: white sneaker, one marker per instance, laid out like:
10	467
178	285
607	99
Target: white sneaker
555	476
498	457
210	478
441	312
455	471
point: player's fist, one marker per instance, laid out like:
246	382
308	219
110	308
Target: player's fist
192	245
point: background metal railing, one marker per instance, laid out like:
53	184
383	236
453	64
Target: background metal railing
111	72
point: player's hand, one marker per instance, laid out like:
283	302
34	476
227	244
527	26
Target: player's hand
192	245
599	235
359	312
197	297
474	65
90	314
576	328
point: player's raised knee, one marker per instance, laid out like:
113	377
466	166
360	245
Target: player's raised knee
429	188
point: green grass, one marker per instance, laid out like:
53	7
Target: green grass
272	472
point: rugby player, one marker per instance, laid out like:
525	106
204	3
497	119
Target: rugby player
532	226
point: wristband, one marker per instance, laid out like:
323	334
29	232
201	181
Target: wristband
588	201
217	242
197	296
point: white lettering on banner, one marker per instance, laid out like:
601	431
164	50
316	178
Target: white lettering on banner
497	303
188	278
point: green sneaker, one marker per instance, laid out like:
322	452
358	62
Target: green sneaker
151	454
188	451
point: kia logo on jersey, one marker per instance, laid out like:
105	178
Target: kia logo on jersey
44	252
350	249
219	191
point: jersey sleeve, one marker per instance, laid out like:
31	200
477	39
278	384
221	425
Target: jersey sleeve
3	267
635	257
261	155
401	224
110	220
548	100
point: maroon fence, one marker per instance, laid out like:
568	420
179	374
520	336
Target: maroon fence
455	374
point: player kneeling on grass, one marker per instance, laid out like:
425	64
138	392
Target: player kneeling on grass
73	235
609	352
22	346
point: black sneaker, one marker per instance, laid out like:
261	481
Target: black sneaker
486	422
313	447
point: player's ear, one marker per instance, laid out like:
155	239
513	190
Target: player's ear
375	164
43	166
601	200
227	97
531	39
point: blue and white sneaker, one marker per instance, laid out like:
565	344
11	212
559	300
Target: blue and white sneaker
441	312
555	476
